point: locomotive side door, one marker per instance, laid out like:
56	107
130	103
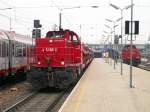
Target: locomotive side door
69	50
73	49
76	48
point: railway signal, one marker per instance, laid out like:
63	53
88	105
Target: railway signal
116	39
37	24
36	33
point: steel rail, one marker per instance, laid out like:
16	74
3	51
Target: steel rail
55	102
20	103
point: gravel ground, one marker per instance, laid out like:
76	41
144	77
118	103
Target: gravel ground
13	94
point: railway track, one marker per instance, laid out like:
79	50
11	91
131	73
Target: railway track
14	107
144	67
38	102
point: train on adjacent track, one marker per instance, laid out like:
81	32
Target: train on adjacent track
136	56
15	55
60	59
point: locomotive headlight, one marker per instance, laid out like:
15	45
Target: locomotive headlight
62	62
39	62
50	41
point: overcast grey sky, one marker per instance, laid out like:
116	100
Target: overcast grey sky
86	21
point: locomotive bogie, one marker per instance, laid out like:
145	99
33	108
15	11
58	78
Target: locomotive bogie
42	77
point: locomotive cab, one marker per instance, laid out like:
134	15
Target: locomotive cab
58	49
136	57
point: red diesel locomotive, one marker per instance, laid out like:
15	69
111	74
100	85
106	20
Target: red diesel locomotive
136	57
60	60
15	55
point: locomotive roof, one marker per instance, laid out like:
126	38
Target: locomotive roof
59	32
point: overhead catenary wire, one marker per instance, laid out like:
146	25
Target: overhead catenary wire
60	9
63	6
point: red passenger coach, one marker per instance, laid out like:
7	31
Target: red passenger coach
60	60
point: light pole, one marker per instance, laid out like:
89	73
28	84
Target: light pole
60	15
114	26
9	20
105	38
61	9
131	86
111	52
121	9
9	8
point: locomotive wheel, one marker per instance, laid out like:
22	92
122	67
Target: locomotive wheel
75	77
79	72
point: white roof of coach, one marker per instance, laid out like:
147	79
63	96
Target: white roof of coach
5	35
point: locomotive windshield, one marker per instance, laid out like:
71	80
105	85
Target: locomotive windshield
55	34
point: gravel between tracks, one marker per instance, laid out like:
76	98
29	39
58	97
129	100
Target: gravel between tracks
14	93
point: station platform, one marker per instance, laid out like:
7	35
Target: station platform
103	89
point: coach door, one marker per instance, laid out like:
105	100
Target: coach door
5	61
9	55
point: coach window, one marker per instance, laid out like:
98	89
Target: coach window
0	49
13	49
7	49
24	50
18	50
16	46
3	49
22	45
